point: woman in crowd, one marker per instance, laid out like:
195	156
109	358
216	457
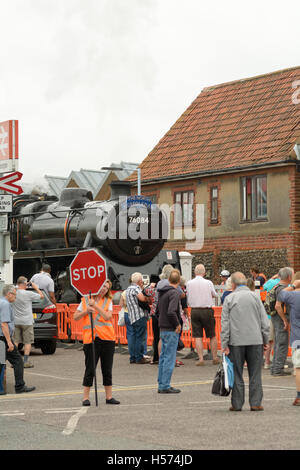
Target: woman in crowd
228	290
150	291
100	306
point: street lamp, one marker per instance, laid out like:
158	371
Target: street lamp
120	168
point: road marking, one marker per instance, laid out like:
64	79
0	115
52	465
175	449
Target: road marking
11	413
35	395
62	410
73	421
52	376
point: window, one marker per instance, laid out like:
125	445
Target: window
254	198
184	208
214	204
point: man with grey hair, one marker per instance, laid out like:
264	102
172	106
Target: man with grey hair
6	333
137	318
200	296
23	316
281	324
244	336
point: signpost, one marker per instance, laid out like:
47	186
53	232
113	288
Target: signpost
88	274
6	183
9	162
9	146
5	203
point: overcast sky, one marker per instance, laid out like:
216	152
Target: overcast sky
98	81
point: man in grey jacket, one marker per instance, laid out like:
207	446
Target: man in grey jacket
244	336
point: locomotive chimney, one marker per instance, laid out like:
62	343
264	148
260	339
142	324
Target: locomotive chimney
120	188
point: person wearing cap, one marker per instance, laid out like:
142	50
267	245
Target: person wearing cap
224	276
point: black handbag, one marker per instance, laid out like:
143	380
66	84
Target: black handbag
218	387
180	345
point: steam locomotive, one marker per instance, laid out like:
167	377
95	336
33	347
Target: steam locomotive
129	231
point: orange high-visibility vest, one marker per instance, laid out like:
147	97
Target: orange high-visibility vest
263	293
102	328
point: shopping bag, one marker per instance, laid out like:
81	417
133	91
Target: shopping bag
218	387
228	373
121	320
186	323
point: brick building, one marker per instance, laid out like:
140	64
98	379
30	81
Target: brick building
236	150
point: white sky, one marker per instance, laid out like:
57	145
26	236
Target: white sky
98	81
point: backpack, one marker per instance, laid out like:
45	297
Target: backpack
270	301
144	305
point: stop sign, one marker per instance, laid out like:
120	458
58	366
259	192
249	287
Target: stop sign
88	272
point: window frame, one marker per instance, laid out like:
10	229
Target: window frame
214	201
249	208
179	220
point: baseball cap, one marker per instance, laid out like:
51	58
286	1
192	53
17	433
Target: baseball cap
225	273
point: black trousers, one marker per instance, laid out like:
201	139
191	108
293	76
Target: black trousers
15	358
156	336
104	350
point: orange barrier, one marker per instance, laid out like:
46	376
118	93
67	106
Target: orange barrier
76	326
68	328
63	320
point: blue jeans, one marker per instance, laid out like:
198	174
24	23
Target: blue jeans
169	343
130	337
138	339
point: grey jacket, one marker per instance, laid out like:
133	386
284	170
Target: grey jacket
244	321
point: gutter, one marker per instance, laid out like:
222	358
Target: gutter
237	169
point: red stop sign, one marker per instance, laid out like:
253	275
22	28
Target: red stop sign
88	272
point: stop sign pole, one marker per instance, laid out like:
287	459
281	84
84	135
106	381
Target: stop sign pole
88	274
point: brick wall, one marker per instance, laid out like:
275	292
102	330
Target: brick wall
269	252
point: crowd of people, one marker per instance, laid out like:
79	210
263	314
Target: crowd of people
249	333
257	315
16	323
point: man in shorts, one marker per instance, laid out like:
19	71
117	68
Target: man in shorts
200	295
291	297
23	317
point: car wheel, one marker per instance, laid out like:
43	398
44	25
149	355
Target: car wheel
48	347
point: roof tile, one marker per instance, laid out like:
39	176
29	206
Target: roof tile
233	124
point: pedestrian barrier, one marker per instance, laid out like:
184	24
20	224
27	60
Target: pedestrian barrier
63	320
68	328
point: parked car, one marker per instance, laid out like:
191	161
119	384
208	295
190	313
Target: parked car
45	324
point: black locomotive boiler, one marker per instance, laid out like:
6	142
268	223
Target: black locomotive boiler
129	231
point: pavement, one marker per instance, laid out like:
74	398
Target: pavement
52	417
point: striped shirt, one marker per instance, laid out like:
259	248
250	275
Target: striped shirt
135	312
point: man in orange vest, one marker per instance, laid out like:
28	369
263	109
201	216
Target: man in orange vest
258	276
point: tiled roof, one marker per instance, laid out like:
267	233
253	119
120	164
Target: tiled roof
56	184
236	124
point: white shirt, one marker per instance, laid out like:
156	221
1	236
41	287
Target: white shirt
200	293
44	281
